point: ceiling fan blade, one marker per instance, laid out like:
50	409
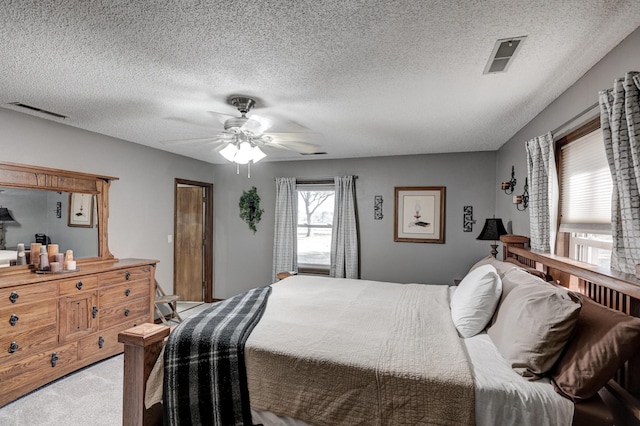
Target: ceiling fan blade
221	117
192	122
257	124
298	146
223	137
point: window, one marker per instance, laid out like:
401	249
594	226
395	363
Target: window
585	196
315	226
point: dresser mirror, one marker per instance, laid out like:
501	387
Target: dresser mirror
53	206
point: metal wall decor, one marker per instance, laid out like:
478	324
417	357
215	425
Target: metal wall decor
508	187
377	207
522	200
59	209
468	219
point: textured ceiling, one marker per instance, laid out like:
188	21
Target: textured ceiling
366	78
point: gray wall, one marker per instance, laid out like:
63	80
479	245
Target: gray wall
243	260
584	93
141	201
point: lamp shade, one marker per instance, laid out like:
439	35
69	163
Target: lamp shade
493	229
5	215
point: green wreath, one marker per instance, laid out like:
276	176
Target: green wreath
250	210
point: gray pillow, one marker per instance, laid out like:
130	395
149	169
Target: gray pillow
501	267
533	323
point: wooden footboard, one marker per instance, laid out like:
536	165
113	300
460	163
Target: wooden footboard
618	291
142	345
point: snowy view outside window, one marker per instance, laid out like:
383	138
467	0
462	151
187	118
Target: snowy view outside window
315	220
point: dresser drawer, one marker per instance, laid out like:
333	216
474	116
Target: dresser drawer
110	317
20	295
123	293
105	342
77	285
19	345
31	372
124	275
20	318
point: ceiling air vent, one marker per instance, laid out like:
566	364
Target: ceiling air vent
503	54
17	106
313	153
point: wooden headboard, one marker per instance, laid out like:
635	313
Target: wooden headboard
615	290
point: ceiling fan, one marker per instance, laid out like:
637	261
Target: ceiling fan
243	138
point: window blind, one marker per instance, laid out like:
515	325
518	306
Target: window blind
585	186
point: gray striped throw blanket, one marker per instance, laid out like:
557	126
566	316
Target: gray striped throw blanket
205	381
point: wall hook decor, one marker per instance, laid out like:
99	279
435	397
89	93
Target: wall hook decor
468	219
377	207
508	187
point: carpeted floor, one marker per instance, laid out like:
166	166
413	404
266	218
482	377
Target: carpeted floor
91	396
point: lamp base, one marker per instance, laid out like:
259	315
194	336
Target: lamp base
494	250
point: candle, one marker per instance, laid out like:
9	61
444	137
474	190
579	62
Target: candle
58	257
35	253
67	257
44	262
504	185
52	250
21	258
55	267
71	265
517	199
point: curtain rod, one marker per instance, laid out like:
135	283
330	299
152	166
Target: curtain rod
565	127
315	178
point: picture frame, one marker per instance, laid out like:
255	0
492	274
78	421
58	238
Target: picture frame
419	214
81	210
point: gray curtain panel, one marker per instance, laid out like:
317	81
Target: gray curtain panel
344	240
543	182
286	227
620	121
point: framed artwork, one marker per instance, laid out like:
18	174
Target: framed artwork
81	210
419	214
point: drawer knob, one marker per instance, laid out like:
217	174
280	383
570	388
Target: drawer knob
79	285
100	342
14	297
127	292
94	311
54	359
13	320
13	347
127	275
126	312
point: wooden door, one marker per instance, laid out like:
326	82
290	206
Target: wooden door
189	244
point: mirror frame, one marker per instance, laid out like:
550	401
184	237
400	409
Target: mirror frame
44	178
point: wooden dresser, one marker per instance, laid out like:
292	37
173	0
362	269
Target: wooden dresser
53	324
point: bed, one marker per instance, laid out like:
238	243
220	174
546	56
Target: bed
367	352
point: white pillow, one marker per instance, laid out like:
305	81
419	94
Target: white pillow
475	300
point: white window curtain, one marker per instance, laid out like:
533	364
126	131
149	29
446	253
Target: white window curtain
620	121
543	193
285	256
344	240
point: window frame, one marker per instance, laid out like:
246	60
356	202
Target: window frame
565	244
313	269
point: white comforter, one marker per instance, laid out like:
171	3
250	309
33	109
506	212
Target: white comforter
502	397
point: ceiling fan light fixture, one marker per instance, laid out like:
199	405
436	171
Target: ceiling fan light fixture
229	152
244	154
257	154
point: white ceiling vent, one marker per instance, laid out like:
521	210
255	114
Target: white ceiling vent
503	53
